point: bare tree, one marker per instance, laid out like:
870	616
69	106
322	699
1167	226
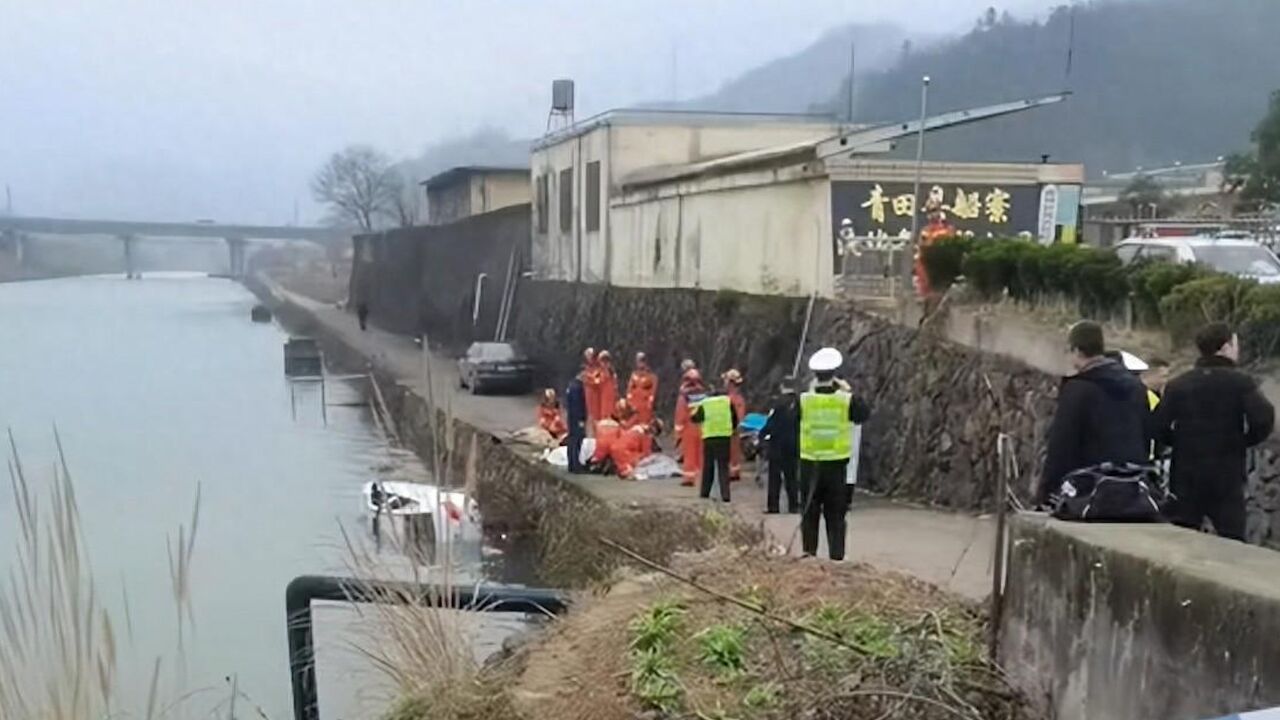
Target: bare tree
361	187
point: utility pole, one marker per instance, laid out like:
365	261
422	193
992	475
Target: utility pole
915	191
853	64
8	200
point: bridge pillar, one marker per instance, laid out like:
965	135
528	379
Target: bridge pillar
236	257
130	268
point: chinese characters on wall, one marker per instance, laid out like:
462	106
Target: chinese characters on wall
880	210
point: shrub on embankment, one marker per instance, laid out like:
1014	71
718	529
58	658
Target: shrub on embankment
1175	298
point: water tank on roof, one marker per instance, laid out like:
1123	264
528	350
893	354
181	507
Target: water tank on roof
562	96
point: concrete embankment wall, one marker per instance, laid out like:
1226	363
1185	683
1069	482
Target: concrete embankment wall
555	521
425	277
1128	622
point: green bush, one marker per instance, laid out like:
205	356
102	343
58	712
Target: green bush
992	266
1260	329
943	260
1151	282
1209	299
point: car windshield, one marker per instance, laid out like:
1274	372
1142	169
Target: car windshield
1238	259
495	351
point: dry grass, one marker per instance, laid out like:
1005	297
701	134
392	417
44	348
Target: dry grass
59	655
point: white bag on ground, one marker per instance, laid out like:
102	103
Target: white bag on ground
560	456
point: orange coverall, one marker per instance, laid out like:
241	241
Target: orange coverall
689	434
641	389
735	447
608	432
632	446
608	397
549	419
592	378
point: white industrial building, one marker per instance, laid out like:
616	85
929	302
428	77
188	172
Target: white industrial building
753	202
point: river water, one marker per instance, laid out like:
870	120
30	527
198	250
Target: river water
162	385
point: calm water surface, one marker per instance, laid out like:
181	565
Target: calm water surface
160	385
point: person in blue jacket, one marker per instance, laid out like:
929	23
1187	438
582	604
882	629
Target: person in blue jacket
575	403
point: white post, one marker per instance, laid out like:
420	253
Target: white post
915	191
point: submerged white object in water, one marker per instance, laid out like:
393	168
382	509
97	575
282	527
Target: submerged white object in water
393	497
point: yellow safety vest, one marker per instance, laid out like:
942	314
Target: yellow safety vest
825	428
1152	399
717	417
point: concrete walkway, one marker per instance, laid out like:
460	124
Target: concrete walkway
951	550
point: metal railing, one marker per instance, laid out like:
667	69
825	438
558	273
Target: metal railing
305	589
872	267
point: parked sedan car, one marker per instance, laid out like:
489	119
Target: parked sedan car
494	366
1232	255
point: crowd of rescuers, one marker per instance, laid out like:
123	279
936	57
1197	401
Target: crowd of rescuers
807	437
1187	436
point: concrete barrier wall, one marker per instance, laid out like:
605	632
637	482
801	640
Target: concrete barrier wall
1140	622
425	277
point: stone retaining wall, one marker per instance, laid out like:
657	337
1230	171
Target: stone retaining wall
939	406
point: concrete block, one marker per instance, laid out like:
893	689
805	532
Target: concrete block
1130	622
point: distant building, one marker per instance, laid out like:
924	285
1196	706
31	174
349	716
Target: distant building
470	190
753	203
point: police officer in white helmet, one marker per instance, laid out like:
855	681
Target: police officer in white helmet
826	415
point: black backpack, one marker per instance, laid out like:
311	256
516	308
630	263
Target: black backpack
1125	492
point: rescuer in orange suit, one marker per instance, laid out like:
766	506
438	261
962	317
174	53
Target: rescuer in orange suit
549	417
937	227
688	433
641	389
608	434
608	384
591	380
733	388
632	444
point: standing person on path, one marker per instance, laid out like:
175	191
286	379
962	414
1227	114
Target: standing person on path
575	401
362	314
688	434
591	380
1102	414
642	388
608	384
1211	415
826	416
733	388
783	448
717	418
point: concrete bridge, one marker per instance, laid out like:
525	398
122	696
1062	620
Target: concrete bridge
13	230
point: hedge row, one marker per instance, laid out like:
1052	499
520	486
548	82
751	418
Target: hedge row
1178	298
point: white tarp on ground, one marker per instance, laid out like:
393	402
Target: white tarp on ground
560	456
851	473
656	467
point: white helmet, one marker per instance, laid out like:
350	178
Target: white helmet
828	359
1133	363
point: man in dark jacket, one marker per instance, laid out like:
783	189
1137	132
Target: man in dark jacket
575	405
1101	415
1211	415
783	447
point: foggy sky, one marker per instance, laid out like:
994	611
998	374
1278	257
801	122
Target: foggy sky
222	109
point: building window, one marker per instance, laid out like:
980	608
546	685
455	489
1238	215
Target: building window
566	200
593	196
541	200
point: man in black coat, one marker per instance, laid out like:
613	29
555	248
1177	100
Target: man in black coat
1101	416
1211	415
780	434
575	405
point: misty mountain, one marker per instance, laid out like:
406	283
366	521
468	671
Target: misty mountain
796	82
806	79
1153	82
487	146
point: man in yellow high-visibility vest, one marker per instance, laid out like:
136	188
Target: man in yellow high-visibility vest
827	415
718	419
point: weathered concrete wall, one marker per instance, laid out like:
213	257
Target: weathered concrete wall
425	277
939	405
1123	622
